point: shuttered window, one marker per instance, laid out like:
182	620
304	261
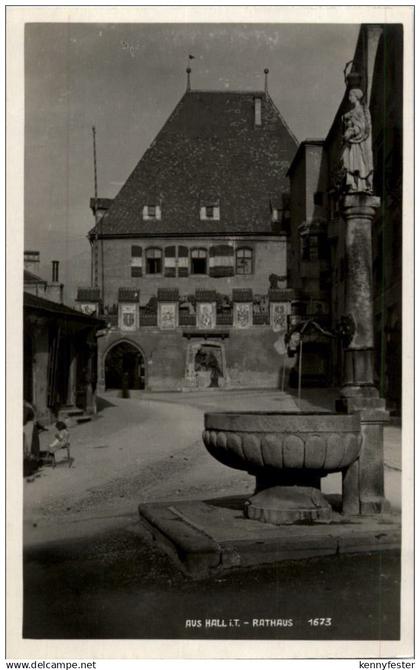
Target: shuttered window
221	262
198	261
183	261
153	261
170	261
136	261
244	261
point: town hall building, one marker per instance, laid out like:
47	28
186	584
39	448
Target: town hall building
189	260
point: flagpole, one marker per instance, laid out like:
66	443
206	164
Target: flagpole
95	251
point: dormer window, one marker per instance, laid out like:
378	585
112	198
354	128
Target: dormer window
210	210
276	208
152	212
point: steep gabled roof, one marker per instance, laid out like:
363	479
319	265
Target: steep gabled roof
209	149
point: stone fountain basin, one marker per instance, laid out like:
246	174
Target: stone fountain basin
257	442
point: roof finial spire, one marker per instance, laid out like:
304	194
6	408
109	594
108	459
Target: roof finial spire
190	58
266	71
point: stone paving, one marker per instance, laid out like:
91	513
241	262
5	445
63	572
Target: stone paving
150	448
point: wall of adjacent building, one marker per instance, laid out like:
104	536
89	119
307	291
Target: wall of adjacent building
298	200
39	363
386	110
308	177
39	289
378	58
316	180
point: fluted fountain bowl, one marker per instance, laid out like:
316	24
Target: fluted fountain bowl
281	445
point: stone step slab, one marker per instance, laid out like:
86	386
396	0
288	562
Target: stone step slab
205	538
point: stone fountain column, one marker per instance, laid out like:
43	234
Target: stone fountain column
363	481
358	211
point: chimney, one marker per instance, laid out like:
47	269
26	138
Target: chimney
31	261
55	289
55	272
257	112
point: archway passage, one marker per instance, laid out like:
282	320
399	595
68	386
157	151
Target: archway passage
124	367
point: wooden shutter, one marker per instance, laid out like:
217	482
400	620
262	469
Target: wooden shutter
170	262
222	260
183	261
136	261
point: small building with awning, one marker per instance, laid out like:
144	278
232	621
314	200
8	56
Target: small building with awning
60	353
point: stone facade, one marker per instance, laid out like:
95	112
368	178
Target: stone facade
249	358
269	255
319	269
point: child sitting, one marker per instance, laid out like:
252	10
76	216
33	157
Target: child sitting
62	441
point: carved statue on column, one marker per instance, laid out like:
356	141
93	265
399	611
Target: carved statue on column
357	161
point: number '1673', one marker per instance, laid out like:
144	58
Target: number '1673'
320	622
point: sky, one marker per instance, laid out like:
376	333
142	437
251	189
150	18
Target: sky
126	79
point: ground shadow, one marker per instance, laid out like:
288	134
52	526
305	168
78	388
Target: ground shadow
229	502
315	398
237	502
101	404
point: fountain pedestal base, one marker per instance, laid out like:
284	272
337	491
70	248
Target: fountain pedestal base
282	505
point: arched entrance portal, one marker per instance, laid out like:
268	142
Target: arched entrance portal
124	367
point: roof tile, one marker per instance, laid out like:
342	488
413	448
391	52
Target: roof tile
209	146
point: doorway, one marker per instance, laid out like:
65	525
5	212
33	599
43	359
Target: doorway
206	365
124	367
